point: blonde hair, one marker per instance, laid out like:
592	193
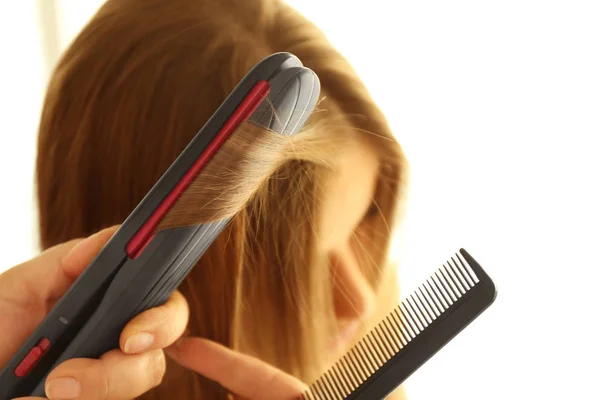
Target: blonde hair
125	99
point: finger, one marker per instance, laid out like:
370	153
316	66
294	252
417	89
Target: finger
75	261
47	277
243	375
33	281
114	376
32	288
156	328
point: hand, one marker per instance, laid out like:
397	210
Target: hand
244	376
28	292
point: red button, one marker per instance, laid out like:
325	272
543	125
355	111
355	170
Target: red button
44	344
32	358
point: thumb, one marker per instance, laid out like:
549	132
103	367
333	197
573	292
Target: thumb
42	280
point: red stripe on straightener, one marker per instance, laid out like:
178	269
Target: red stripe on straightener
141	239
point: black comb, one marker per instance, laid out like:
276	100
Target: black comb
419	327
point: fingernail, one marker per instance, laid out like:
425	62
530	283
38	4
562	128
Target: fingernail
138	343
63	388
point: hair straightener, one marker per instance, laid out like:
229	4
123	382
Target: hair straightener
410	335
139	268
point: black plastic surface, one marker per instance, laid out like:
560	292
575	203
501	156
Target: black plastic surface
143	283
133	286
441	331
293	95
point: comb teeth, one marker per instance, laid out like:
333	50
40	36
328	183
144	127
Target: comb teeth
405	323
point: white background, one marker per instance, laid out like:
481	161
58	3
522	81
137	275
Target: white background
497	107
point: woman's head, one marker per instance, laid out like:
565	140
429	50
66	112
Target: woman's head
304	258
